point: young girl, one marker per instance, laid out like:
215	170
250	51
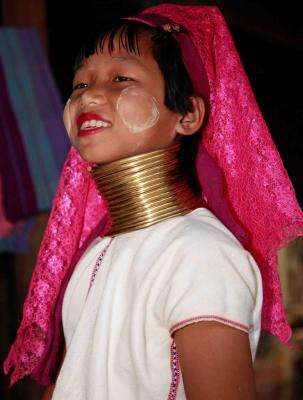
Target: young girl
152	277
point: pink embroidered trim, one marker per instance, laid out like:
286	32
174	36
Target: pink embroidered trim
175	372
199	318
98	264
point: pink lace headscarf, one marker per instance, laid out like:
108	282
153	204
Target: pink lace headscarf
243	179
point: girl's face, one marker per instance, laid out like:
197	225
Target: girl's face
117	109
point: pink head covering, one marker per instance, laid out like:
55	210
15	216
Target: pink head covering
244	183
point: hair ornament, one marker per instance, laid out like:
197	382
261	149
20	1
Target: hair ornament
171	27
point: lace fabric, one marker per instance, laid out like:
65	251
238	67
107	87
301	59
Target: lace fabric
243	179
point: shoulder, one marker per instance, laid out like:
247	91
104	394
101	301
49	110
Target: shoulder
200	231
200	251
208	275
185	247
202	223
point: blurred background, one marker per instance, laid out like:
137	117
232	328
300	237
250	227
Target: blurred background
38	43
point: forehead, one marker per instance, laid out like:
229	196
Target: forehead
117	51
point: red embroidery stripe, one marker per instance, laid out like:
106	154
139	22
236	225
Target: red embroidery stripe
98	264
175	372
208	318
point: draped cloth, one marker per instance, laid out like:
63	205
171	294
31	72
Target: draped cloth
243	180
33	143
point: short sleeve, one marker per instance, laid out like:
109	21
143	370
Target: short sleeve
217	281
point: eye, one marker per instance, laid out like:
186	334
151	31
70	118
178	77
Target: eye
121	78
80	86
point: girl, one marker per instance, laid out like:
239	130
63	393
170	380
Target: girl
155	272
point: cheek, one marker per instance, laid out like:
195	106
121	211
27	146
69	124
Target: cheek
137	109
67	118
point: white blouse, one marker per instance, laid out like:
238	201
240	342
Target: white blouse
148	283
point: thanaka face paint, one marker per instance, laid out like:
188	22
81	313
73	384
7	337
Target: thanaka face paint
67	119
137	109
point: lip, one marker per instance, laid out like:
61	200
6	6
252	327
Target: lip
87	117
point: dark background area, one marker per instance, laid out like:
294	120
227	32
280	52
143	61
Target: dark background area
269	38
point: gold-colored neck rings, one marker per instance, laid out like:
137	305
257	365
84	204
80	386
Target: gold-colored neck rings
145	189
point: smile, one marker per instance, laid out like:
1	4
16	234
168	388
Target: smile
89	124
94	124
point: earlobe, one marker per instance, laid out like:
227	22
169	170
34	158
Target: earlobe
192	121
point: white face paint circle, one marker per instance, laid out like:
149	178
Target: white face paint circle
67	119
137	109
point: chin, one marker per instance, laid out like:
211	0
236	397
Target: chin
89	153
92	157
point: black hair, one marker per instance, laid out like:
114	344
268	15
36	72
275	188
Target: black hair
167	54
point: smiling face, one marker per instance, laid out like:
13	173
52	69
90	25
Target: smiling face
117	109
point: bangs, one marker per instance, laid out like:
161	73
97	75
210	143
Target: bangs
125	32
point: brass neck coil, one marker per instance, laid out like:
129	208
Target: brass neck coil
142	190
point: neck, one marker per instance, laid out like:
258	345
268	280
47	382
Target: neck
145	189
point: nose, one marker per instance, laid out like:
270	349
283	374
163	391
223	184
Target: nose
93	96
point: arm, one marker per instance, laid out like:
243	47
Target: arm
216	362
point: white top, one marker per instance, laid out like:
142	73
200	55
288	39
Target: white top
150	283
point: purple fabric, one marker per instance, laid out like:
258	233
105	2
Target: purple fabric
18	191
37	109
214	190
49	104
24	105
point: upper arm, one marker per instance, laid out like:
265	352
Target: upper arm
215	361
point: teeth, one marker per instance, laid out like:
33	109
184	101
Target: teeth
94	124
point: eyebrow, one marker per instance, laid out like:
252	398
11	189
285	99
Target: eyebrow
116	58
120	58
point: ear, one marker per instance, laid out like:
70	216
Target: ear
191	122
